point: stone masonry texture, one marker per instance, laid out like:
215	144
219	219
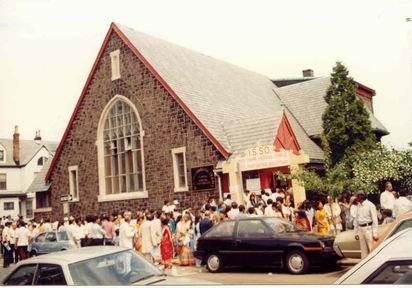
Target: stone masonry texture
166	126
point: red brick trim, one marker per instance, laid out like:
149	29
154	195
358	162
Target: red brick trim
115	29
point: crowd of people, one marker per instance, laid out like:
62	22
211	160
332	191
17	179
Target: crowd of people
162	234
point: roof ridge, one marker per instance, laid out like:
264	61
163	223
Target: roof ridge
193	51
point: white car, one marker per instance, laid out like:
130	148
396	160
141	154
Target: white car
92	266
389	263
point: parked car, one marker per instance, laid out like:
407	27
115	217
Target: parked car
48	242
263	241
389	263
92	266
347	246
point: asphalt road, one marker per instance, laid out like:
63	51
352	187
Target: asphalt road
245	275
261	276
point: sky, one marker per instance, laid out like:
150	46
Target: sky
47	49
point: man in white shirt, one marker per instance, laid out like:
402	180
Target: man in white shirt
146	235
365	224
387	199
269	209
126	231
156	234
228	200
23	236
401	205
276	194
232	214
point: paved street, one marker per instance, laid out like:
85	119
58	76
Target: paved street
248	276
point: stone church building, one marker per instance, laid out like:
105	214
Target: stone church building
156	121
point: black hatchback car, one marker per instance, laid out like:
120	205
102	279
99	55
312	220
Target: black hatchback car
264	241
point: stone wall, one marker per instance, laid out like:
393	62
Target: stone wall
165	124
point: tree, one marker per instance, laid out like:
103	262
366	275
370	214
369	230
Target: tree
372	169
346	126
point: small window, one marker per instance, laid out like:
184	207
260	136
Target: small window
41	161
179	169
252	228
43	199
22	276
49	274
51	237
62	236
41	237
74	182
115	62
394	272
1	155
8	206
29	208
3	181
224	229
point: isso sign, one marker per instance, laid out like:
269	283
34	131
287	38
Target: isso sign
263	156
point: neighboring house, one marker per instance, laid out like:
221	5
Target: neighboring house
158	121
304	98
41	191
20	162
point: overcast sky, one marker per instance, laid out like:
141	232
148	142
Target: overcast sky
47	49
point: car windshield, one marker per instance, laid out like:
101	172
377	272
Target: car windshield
122	268
280	226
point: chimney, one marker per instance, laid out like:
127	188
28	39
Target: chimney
16	145
37	139
307	73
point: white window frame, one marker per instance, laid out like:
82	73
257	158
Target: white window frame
6	182
103	197
115	64
71	184
4	154
176	175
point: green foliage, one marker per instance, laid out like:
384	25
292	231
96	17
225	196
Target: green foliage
372	168
333	183
346	126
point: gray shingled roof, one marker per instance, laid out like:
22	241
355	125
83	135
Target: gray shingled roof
218	93
305	100
28	148
38	184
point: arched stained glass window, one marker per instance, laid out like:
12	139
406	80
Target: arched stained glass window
122	150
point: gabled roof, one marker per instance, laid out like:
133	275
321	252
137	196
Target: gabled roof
39	184
212	92
215	91
28	149
306	101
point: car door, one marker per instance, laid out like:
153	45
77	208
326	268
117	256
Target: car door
50	274
50	244
22	276
219	239
38	244
255	243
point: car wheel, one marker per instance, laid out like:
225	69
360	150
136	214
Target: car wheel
214	263
297	262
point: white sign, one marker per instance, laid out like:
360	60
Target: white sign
262	157
66	198
253	185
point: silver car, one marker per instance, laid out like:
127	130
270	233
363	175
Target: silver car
93	266
48	242
389	263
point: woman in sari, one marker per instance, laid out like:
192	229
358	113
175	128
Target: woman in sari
183	235
322	222
166	244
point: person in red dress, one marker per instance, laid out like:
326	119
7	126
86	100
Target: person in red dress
166	244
